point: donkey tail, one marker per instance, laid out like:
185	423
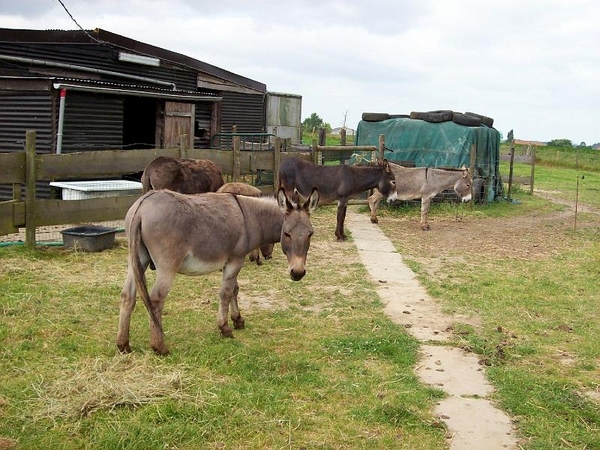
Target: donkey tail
146	184
135	244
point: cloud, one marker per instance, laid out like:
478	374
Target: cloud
533	66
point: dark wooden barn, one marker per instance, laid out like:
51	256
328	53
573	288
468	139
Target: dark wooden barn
118	93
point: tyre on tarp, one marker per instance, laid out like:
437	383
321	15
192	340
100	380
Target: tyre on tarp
374	117
487	121
438	116
466	120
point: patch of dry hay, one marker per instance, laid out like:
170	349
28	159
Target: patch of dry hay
123	381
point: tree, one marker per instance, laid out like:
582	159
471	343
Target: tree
314	122
560	143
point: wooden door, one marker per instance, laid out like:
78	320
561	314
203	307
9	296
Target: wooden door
178	120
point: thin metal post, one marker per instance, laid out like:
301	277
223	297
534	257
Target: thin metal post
61	121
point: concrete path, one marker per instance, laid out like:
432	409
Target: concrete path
473	422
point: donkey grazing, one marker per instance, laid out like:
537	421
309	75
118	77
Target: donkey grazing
336	183
199	234
239	188
188	176
425	183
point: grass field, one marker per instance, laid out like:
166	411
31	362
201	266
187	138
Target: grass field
319	365
530	278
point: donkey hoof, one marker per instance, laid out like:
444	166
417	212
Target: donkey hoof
161	351
239	323
226	332
375	220
124	348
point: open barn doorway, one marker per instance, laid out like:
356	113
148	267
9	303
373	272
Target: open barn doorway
139	122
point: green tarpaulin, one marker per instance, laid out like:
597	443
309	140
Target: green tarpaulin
443	145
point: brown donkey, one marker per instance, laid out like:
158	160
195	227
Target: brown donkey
336	183
199	234
188	176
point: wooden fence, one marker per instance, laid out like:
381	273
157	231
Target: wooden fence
527	159
27	168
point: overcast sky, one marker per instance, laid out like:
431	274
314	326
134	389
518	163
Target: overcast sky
532	65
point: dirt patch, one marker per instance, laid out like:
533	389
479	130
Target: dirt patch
530	237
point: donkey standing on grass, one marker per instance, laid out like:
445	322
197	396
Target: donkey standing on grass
239	188
336	183
199	234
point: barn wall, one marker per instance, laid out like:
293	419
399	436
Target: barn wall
22	111
92	122
244	110
283	113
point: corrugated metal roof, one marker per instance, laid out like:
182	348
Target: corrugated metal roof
106	37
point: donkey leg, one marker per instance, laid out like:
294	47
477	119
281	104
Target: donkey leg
227	293
425	202
341	216
267	251
158	294
254	256
125	310
238	321
374	200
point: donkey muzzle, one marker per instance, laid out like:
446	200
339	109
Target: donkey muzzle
296	274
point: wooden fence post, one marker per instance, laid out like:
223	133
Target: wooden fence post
315	152
381	146
510	169
237	144
532	170
276	163
183	146
322	136
30	177
343	136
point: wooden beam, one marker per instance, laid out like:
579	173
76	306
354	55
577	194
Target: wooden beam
30	168
58	212
12	168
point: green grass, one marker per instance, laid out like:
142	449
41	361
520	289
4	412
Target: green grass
579	158
569	184
319	365
540	324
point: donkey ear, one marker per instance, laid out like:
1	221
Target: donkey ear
313	201
386	165
283	201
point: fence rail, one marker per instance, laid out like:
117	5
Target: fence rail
25	169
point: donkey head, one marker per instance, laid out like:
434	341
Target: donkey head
387	183
296	230
463	184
